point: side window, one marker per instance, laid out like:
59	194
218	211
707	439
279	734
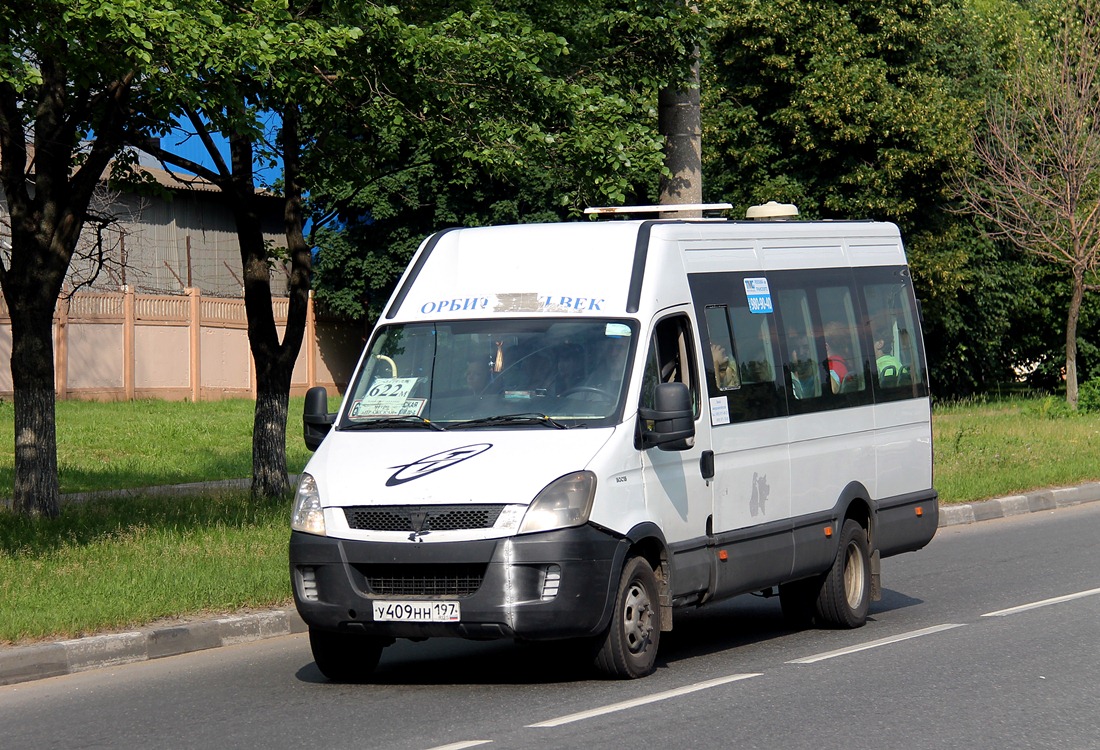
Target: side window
804	360
726	373
892	324
843	353
669	359
756	353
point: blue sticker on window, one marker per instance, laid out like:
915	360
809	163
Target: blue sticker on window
759	296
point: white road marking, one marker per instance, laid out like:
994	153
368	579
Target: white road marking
707	684
1044	603
875	644
612	708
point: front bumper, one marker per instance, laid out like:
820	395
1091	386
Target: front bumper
506	587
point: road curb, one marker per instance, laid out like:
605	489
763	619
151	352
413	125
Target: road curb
1015	505
38	661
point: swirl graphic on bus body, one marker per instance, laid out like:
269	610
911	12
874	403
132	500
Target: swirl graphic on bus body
422	467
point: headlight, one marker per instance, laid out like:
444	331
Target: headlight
307	515
565	502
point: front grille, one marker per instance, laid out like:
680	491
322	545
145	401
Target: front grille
423	580
430	517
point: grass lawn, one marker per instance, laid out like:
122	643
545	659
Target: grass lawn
125	562
1005	447
112	564
107	446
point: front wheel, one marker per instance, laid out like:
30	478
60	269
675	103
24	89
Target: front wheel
845	596
629	647
345	657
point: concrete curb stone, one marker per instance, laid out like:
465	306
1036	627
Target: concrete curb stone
38	661
41	660
1015	505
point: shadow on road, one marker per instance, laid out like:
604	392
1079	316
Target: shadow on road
716	628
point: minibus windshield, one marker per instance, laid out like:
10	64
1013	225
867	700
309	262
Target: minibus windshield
513	373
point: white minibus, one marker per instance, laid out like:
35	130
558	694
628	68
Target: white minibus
576	430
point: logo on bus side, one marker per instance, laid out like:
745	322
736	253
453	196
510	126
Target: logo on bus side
436	462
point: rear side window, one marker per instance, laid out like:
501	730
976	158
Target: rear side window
892	325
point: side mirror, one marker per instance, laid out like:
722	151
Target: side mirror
316	421
670	425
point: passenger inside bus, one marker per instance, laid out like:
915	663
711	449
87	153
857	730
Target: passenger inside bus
836	355
569	367
725	371
477	376
889	366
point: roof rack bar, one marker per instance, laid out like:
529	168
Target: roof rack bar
667	208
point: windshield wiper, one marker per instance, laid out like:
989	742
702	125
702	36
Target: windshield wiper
506	419
410	420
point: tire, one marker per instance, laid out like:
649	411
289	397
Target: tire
628	649
798	599
345	657
846	593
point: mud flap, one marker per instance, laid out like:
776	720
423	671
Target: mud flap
876	577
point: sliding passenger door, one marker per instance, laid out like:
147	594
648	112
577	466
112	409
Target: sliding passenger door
746	409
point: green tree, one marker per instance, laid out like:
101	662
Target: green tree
76	76
286	56
477	112
848	109
1038	182
865	109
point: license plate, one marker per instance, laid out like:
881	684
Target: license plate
416	611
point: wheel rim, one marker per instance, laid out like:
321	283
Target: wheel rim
637	617
853	576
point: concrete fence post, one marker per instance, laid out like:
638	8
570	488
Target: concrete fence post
129	345
311	343
195	325
61	348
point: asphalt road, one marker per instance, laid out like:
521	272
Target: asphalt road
986	639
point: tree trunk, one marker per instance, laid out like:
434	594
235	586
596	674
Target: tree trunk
274	360
678	120
35	491
1072	317
269	474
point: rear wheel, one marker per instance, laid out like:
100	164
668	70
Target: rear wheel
845	596
345	657
629	647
